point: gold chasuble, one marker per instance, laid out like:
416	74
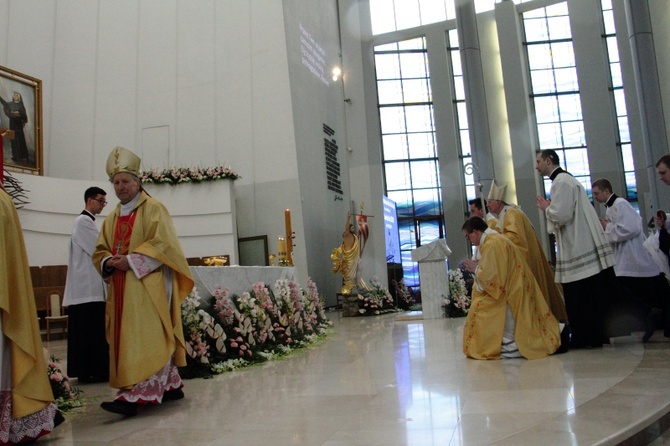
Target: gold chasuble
504	278
31	391
143	323
521	232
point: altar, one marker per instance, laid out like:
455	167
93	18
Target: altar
238	279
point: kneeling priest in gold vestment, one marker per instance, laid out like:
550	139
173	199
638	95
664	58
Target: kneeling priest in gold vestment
508	316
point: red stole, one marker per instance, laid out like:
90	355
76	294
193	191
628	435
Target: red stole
122	233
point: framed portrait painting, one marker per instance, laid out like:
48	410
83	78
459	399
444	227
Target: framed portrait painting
21	121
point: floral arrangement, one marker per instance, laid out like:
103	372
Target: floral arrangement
405	298
67	397
376	301
177	175
228	331
458	302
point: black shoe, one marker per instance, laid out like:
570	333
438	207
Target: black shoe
120	407
565	340
58	418
173	395
650	323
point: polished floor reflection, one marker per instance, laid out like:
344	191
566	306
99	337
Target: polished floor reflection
384	381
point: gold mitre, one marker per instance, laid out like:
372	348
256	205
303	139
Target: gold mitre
497	192
123	160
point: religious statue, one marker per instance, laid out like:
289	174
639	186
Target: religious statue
346	259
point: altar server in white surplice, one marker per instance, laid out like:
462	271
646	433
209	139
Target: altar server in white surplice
85	295
635	269
584	263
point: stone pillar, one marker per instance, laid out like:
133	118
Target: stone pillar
648	88
475	91
434	277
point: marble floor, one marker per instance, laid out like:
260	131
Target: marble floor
385	381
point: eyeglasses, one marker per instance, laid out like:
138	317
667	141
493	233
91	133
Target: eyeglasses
102	201
467	235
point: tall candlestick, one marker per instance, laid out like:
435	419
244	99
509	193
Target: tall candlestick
289	237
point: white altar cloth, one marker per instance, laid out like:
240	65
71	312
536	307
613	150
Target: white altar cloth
238	279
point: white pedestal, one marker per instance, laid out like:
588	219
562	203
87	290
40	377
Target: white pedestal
434	276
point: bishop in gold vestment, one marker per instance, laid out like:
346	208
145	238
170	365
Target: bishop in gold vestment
515	225
503	280
139	254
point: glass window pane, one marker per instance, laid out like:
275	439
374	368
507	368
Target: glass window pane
465	142
577	162
412	44
456	63
419	118
612	49
539	56
562	54
570	107
407	14
382	16
459	88
422	145
566	79
620	102
631	186
432	11
536	29
416	90
424	174
395	147
573	134
429	231
462	110
617	78
393	46
413	65
453	38
546	109
426	202
543	81
403	200
624	130
387	66
392	119
410	270
557	10
549	136
389	92
406	229
627	152
608	18
559	27
397	176
470	192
